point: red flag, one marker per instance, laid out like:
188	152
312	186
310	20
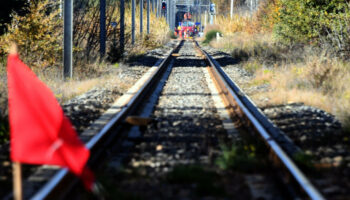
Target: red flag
40	133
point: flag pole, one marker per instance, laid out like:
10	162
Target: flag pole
16	166
17	180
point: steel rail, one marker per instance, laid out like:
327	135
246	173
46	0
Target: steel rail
255	116
55	183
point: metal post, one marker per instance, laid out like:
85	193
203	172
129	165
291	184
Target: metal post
148	8
122	25
205	19
170	9
200	18
172	15
133	10
167	11
156	1
102	28
141	17
68	39
211	20
231	9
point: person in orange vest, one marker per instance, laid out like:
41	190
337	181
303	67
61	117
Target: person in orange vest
187	16
180	31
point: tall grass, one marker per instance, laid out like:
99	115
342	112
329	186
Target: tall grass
295	73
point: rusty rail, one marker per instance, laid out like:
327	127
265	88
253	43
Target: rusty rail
240	104
63	181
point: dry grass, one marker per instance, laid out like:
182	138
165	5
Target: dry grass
158	31
317	81
260	47
295	73
69	89
89	75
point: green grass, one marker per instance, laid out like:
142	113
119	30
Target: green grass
304	160
203	179
210	35
172	34
239	158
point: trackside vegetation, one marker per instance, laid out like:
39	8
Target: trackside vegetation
300	48
37	28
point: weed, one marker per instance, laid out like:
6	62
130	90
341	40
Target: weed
240	54
110	191
210	35
172	35
239	158
252	66
193	174
304	160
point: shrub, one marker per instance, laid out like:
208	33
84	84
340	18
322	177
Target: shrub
38	35
306	20
172	34
335	32
268	14
210	35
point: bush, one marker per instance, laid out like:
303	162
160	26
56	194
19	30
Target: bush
306	21
172	34
38	35
210	35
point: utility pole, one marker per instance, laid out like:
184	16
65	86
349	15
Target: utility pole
156	1
231	9
102	28
68	39
122	25
205	18
133	10
148	8
200	18
170	13
141	17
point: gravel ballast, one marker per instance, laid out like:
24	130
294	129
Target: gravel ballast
318	133
83	110
184	140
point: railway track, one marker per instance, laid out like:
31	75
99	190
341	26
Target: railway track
172	118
